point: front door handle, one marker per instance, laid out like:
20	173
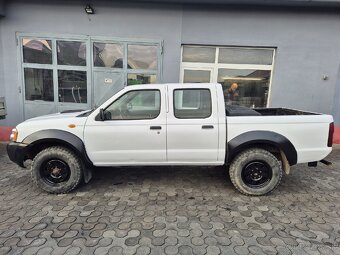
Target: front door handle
207	127
155	127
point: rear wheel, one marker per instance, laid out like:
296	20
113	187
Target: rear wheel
56	170
255	172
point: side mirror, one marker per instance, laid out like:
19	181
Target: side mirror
101	114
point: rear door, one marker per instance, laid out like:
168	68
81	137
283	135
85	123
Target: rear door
192	125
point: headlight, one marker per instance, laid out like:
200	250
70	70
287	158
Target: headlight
14	135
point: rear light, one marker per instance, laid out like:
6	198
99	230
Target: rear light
330	134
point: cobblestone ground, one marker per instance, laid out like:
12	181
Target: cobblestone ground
171	211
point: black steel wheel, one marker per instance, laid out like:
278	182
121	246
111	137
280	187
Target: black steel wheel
56	170
255	172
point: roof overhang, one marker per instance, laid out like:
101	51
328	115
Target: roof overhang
2	8
301	3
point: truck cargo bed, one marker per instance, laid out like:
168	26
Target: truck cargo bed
235	110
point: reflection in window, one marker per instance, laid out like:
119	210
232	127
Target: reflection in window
142	57
134	105
38	84
71	53
108	55
135	79
37	51
192	103
198	54
196	76
245	56
72	86
245	87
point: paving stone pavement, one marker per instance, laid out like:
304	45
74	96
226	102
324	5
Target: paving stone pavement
171	210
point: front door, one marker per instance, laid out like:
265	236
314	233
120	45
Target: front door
133	132
192	128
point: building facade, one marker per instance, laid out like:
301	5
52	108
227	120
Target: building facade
55	57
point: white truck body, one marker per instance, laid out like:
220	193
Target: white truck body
180	141
180	124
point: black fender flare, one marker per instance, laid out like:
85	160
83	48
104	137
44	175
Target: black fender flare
64	138
241	142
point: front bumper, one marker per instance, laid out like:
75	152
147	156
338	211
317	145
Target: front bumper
17	152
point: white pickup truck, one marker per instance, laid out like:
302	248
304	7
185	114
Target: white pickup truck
171	124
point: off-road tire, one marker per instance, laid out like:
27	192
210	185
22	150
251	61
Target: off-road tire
59	153
250	155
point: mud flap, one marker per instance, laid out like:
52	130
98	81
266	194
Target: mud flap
87	174
285	163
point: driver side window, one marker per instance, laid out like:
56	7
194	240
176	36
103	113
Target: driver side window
135	105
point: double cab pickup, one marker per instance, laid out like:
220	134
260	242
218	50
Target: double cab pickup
171	124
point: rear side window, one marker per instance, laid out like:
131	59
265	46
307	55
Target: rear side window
192	103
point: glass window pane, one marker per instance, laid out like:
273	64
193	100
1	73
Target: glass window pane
72	86
135	105
196	76
192	103
71	53
38	84
198	54
134	79
245	87
37	51
245	56
108	55
142	57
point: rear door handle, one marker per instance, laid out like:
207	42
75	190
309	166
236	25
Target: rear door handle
155	127
207	127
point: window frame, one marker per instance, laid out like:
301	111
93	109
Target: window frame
134	90
125	70
26	106
215	66
55	67
174	98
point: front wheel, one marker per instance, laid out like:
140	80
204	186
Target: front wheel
56	170
255	172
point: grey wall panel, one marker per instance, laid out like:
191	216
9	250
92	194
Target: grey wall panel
307	42
2	8
110	20
336	104
307	48
2	83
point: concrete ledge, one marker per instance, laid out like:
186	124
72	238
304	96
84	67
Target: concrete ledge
5	132
336	137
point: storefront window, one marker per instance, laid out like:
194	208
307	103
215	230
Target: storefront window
58	74
199	54
142	56
38	84
245	56
37	51
244	87
108	55
244	73
71	53
72	86
135	79
196	76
